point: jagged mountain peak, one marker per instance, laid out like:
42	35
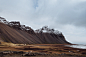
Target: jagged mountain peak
16	33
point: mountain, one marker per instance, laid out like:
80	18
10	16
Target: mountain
14	32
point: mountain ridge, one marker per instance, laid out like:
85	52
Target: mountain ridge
14	32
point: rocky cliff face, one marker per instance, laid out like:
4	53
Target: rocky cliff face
16	33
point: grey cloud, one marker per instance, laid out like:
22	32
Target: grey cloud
54	13
61	12
46	11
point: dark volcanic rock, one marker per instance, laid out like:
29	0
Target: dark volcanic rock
16	33
29	54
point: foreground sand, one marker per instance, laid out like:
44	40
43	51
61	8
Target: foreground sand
47	50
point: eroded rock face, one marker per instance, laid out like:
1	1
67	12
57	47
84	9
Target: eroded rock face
16	33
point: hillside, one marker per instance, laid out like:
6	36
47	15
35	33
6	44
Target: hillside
14	32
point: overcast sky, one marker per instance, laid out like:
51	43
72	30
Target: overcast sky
67	16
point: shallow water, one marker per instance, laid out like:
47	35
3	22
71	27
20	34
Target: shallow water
77	46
